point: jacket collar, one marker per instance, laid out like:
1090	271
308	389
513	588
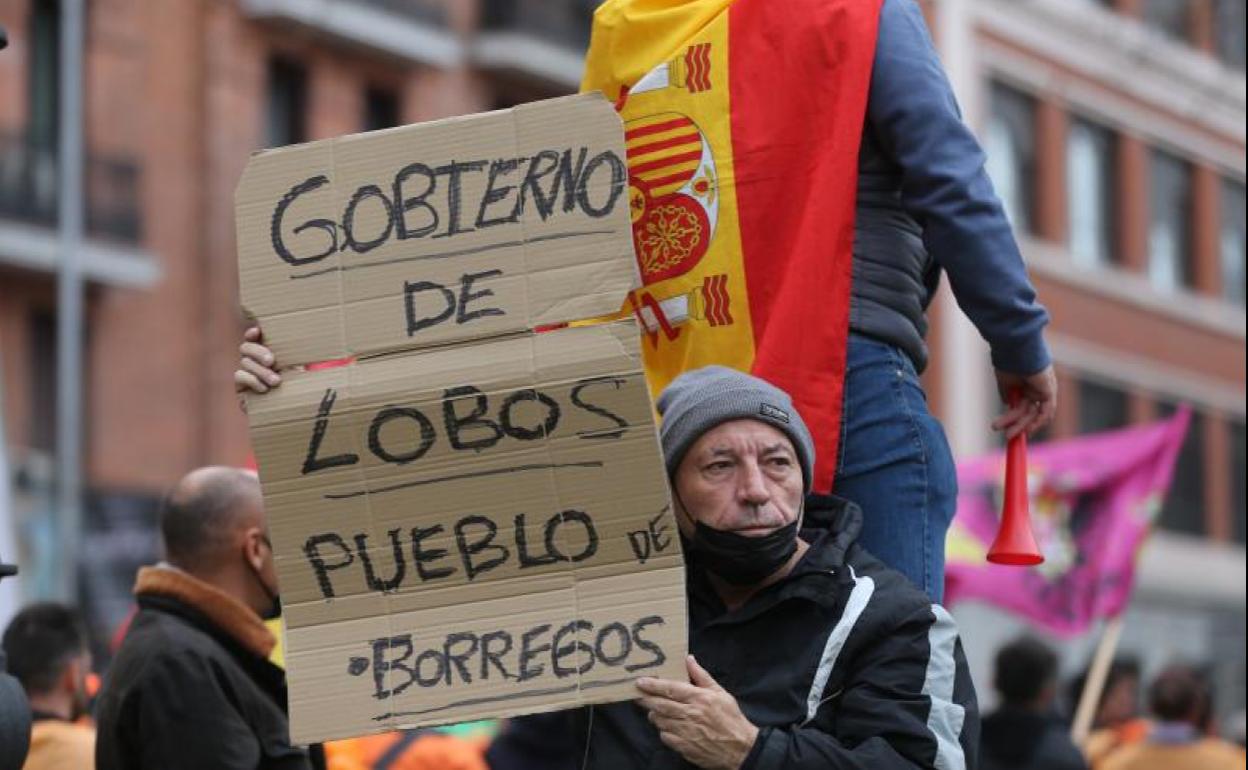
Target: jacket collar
226	613
833	523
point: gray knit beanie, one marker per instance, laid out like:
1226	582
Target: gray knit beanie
702	399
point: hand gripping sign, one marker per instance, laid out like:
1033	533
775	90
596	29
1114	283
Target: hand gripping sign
472	519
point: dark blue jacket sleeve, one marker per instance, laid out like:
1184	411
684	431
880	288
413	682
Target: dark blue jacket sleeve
944	186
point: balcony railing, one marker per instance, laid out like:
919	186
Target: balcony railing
564	23
412	30
29	189
429	11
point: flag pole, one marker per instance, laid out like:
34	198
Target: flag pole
1094	686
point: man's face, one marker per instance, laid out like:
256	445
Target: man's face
1118	704
742	476
255	513
257	551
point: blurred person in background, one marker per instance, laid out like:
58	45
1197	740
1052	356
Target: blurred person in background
1025	733
47	650
1229	729
1178	699
192	685
1207	717
14	719
1117	721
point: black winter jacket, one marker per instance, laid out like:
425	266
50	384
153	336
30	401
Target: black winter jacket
184	694
842	665
1021	740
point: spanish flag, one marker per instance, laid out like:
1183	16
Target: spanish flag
743	120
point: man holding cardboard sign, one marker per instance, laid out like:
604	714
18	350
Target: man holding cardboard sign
810	652
473	519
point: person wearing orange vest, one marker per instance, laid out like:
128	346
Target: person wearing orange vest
1117	721
1176	740
46	646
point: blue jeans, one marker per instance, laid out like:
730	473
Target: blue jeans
896	464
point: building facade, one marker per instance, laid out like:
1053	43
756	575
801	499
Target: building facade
1115	130
1115	135
177	95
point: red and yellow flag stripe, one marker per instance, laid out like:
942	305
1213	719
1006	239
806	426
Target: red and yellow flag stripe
743	120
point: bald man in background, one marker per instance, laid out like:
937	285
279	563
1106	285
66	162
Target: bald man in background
192	686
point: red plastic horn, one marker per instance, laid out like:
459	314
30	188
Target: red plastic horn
1016	543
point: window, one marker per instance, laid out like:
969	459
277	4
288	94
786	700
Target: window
44	85
1169	233
381	109
1090	167
1232	242
1229	31
1010	146
1168	16
286	120
1237	460
1101	408
1184	508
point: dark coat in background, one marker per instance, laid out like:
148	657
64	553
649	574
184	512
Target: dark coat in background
14	721
1020	740
192	686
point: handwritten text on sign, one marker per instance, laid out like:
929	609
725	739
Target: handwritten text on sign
417	206
477	524
435	234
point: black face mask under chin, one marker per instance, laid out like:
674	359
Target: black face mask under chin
275	599
740	560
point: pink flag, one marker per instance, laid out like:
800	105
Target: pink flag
1093	501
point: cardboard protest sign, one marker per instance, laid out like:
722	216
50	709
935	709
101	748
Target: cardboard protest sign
472	519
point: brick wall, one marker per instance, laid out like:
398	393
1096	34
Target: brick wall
183	86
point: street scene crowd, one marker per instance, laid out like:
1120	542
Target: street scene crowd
815	585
